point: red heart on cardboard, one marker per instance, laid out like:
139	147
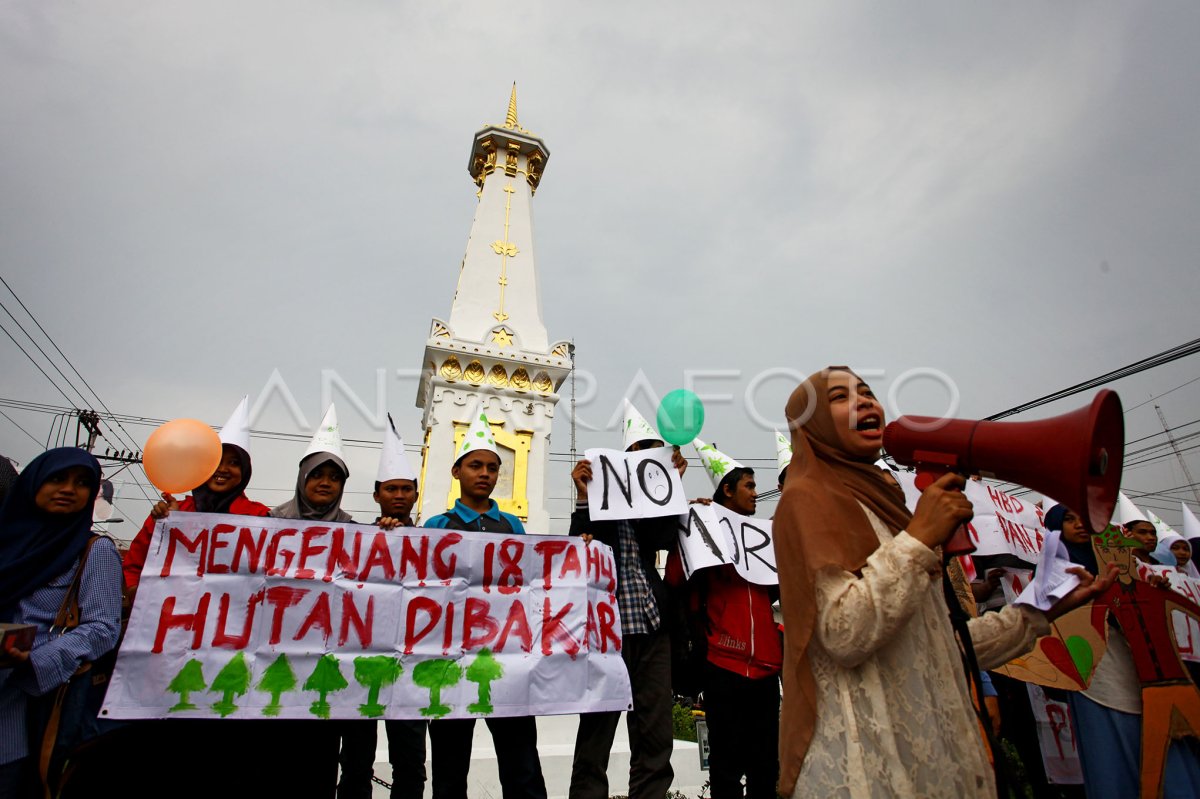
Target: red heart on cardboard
1060	657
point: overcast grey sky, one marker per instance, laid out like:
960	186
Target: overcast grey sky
193	195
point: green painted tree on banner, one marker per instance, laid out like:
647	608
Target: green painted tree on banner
436	675
233	679
277	680
483	670
190	678
373	673
326	678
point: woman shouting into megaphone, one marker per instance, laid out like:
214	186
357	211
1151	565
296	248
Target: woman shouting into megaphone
875	702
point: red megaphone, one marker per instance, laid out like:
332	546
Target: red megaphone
1075	458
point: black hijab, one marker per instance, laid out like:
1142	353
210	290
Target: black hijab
209	501
1080	554
35	546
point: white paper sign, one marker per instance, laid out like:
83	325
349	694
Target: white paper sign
634	485
1051	580
246	617
1055	738
712	535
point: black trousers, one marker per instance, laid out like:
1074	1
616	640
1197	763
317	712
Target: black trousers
515	739
648	659
406	753
743	733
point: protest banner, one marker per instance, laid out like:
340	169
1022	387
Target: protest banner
712	535
634	485
246	617
1003	524
1056	738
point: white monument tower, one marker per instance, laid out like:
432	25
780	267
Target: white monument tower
493	351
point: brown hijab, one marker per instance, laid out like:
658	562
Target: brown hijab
819	524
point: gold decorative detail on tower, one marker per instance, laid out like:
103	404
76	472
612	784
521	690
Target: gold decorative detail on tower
474	372
542	383
451	370
439	330
498	377
510	119
561	350
520	379
505	249
533	175
502	337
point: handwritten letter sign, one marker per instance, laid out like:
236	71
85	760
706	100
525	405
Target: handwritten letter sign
634	485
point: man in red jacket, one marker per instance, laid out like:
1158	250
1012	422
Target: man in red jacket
740	681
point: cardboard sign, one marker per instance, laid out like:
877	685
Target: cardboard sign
1186	629
246	617
711	535
1067	657
634	485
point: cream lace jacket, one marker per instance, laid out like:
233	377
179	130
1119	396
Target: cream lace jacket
894	718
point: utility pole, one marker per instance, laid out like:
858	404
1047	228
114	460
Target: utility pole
1175	448
571	352
89	421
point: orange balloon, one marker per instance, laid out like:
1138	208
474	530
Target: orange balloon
181	455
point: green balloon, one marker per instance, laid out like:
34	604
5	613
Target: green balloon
680	417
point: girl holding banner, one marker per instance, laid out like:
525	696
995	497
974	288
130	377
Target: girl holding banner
875	702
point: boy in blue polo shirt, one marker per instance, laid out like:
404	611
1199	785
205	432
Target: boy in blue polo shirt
514	737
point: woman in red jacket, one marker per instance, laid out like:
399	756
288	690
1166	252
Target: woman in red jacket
223	493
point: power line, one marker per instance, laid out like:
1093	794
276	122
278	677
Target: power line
1159	359
37	365
1165	393
129	440
22	429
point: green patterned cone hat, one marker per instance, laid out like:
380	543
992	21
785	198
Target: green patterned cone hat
716	463
783	450
328	437
1160	526
636	428
479	435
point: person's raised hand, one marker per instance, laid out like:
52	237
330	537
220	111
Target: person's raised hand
1088	589
388	523
941	509
163	509
678	461
582	475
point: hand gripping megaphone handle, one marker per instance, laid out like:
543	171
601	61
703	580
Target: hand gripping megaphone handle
959	542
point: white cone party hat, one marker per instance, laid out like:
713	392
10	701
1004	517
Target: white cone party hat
237	430
1127	513
636	428
328	437
716	463
1191	525
783	450
479	435
393	463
